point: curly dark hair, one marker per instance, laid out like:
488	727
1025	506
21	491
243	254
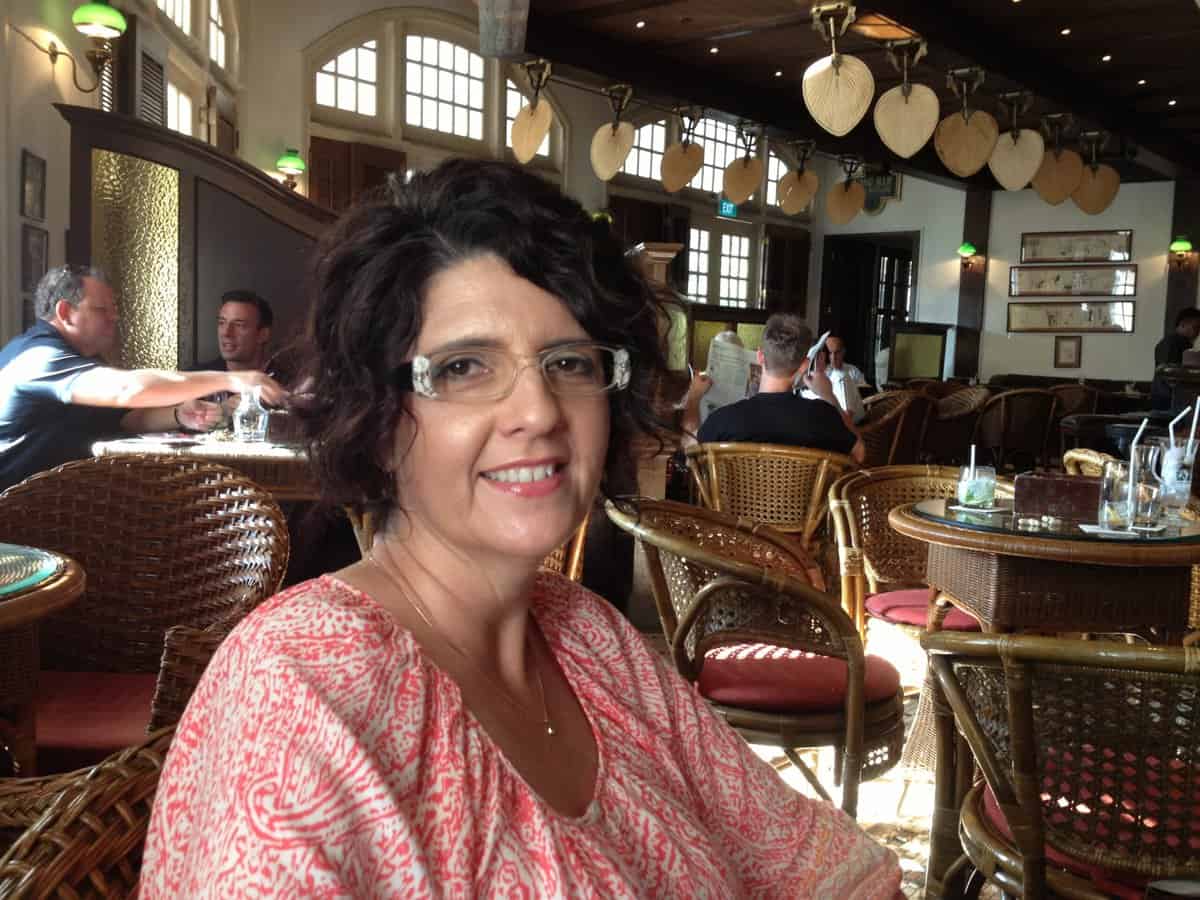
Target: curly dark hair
370	274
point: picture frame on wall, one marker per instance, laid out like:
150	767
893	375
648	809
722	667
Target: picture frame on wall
1077	246
35	252
33	186
1073	281
1068	351
1094	316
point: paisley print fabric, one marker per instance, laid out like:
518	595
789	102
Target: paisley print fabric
323	756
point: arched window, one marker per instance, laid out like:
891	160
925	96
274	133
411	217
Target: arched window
348	81
443	89
513	101
776	169
179	12
645	159
720	149
216	33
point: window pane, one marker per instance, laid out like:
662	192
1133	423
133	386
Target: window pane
346	93
445	120
461	63
412	48
445	85
476	66
412	110
366	99
475	132
461	94
429	114
452	99
346	63
445	55
366	64
430	51
370	45
412	78
475	96
460	121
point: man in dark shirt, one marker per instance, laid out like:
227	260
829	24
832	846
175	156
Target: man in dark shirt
243	334
57	395
1169	352
775	415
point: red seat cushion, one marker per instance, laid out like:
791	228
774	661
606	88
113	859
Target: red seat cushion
775	679
103	711
1125	885
911	607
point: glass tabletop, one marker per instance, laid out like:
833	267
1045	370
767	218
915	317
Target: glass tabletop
1003	521
22	568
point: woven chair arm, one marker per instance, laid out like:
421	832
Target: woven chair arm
186	654
1063	651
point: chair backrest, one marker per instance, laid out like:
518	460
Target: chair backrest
785	487
880	430
1075	398
88	842
1016	422
860	503
1082	461
910	436
1089	746
688	548
965	402
568	559
162	541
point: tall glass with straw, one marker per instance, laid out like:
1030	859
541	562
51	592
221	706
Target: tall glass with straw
1176	464
976	485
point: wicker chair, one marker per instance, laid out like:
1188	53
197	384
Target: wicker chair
935	388
1081	461
784	487
1090	756
1016	423
950	429
777	659
164	541
910	437
568	559
1072	399
880	431
88	836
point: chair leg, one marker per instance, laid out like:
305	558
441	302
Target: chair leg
808	774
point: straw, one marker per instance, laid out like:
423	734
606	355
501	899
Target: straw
1133	473
1191	444
971	474
1175	421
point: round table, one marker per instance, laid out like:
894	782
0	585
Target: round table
1055	578
33	584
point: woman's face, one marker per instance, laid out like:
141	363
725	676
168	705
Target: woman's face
509	478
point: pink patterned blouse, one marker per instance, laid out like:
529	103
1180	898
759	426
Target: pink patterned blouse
323	756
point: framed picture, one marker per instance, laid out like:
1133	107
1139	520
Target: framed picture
1068	352
1072	281
1107	316
35	250
1077	246
881	187
33	186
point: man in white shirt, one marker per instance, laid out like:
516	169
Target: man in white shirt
846	378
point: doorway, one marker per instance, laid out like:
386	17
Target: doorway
868	284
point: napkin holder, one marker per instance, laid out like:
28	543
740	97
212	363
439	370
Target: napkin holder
1073	498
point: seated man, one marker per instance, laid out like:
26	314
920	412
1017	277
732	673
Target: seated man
845	378
243	334
775	415
58	396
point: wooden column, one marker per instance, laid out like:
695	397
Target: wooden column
1182	275
972	285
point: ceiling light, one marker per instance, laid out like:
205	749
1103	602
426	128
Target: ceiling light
714	49
1107	57
1065	32
779	73
1141	81
1172	102
641	23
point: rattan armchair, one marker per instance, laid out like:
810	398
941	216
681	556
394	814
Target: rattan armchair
948	434
1090	753
1016	424
163	541
760	642
568	559
784	487
880	430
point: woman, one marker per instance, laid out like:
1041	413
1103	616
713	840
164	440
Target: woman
441	718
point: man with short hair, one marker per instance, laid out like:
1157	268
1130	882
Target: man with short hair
1169	352
845	378
775	415
58	395
243	333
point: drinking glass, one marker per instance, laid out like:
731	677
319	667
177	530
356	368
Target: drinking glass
1145	505
250	418
977	488
1114	495
1175	487
1146	490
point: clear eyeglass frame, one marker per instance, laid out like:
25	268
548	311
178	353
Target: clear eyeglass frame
421	373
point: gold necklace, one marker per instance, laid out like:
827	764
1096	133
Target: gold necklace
419	609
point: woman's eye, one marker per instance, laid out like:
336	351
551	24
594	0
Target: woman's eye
462	367
574	365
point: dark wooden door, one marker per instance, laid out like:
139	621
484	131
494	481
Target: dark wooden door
785	269
848	282
341	172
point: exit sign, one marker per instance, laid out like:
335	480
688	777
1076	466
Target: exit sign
726	208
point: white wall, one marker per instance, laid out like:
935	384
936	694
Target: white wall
1147	209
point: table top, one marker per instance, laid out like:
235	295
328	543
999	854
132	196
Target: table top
34	583
213	445
933	521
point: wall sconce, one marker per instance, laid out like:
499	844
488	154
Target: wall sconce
966	251
1181	253
290	165
100	23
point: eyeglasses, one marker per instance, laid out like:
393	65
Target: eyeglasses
483	374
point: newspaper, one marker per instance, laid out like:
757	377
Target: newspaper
735	374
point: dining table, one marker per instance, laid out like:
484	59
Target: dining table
1039	574
34	583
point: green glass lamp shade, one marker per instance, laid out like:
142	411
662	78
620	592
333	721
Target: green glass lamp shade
965	249
291	163
99	20
1181	245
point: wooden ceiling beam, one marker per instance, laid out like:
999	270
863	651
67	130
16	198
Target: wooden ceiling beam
970	36
617	8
